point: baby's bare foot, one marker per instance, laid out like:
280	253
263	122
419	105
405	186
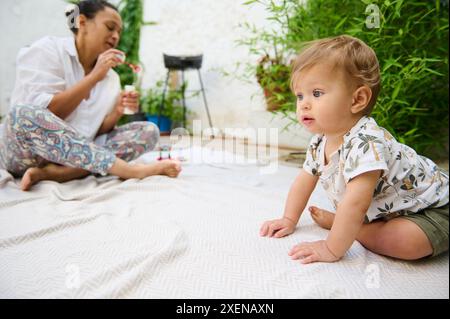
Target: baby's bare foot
322	217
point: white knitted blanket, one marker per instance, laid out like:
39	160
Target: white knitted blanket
191	237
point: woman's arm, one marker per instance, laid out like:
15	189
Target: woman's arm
64	103
109	122
125	99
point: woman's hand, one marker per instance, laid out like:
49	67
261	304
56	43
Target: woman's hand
129	100
125	99
310	252
105	62
277	228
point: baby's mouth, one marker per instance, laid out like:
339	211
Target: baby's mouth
307	120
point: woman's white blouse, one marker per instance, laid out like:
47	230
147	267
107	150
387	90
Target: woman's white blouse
50	66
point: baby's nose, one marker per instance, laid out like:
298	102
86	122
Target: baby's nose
305	105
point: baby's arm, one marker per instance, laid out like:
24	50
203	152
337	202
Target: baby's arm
299	195
347	222
296	201
351	212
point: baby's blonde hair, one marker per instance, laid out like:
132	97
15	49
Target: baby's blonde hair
353	56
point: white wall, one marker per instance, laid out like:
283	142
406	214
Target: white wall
208	27
21	23
183	27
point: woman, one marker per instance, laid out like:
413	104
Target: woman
66	103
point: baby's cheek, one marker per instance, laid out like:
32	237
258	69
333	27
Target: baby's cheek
297	111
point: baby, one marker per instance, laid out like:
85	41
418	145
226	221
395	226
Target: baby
386	196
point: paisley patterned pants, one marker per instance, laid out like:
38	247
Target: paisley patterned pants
34	137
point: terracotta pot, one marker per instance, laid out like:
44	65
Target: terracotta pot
271	102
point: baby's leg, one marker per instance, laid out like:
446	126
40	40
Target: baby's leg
398	237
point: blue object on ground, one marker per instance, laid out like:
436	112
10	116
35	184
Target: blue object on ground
165	122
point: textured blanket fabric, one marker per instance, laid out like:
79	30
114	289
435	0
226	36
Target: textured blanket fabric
191	237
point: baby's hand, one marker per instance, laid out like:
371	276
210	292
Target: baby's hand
312	252
277	228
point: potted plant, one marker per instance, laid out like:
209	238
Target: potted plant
273	77
272	51
172	111
413	103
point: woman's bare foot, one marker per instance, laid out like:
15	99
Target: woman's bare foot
62	174
31	177
169	168
50	172
322	217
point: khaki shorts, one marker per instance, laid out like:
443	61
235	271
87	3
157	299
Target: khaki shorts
434	223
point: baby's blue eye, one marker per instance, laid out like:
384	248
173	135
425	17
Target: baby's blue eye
317	93
300	97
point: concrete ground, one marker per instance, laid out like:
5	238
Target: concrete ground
286	156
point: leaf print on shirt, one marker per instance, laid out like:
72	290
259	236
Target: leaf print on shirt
315	170
409	183
422	174
313	148
437	176
335	203
368	141
416	200
436	173
353	164
387	135
385	211
394	180
380	189
411	198
383	186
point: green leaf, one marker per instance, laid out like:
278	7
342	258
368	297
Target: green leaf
434	72
250	2
391	62
147	23
411	44
398	7
339	25
396	90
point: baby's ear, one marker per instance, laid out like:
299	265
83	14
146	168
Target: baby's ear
361	98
